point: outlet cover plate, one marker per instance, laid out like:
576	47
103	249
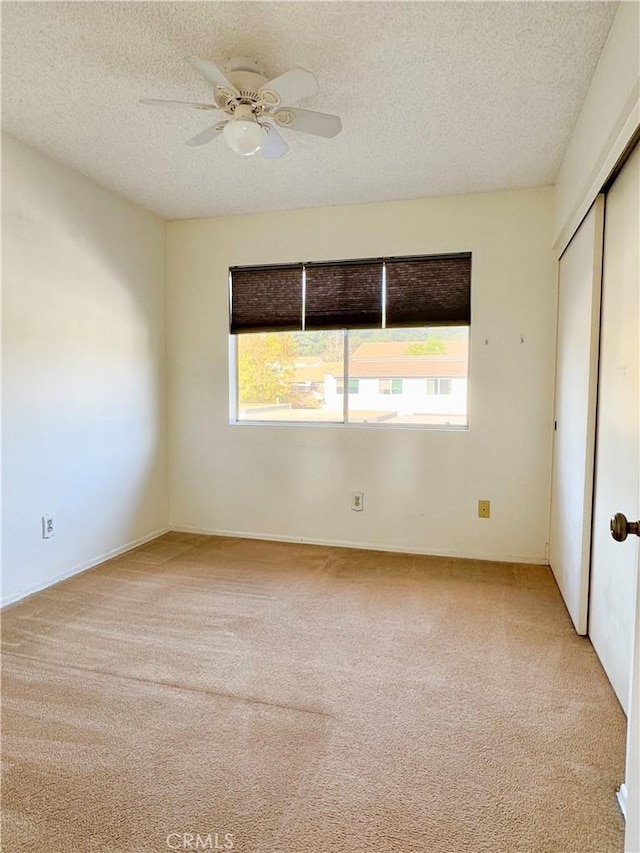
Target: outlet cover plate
484	509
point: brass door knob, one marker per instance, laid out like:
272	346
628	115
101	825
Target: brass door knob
621	528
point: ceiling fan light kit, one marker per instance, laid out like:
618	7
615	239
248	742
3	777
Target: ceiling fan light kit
254	106
244	134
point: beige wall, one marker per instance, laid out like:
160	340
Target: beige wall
83	371
421	486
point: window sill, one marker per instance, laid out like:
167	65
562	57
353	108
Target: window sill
352	426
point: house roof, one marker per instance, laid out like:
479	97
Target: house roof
458	346
409	366
386	360
405	367
316	373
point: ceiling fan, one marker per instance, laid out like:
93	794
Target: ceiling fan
255	107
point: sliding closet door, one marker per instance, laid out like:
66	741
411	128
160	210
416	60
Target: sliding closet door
614	565
579	287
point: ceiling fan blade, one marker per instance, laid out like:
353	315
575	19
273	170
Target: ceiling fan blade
157	102
293	85
308	121
274	146
206	135
210	73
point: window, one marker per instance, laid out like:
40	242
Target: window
385	331
439	386
290	376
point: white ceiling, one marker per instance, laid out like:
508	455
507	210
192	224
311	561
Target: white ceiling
435	98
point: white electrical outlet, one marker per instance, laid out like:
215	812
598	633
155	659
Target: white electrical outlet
357	501
48	527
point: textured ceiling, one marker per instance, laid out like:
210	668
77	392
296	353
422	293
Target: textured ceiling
435	98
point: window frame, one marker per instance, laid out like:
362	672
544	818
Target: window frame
460	309
437	383
234	401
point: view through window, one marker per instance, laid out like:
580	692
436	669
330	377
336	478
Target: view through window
415	376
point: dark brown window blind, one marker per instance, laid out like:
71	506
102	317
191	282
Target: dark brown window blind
420	291
266	299
343	295
432	290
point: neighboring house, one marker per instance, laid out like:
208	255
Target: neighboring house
385	376
310	379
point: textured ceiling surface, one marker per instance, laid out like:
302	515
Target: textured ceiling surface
435	98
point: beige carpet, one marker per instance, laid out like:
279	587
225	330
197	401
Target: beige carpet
299	699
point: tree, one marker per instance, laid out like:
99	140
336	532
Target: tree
432	346
333	346
265	367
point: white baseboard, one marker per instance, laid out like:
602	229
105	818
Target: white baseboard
621	797
83	567
365	546
267	537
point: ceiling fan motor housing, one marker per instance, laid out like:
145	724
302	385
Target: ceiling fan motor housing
247	76
244	112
